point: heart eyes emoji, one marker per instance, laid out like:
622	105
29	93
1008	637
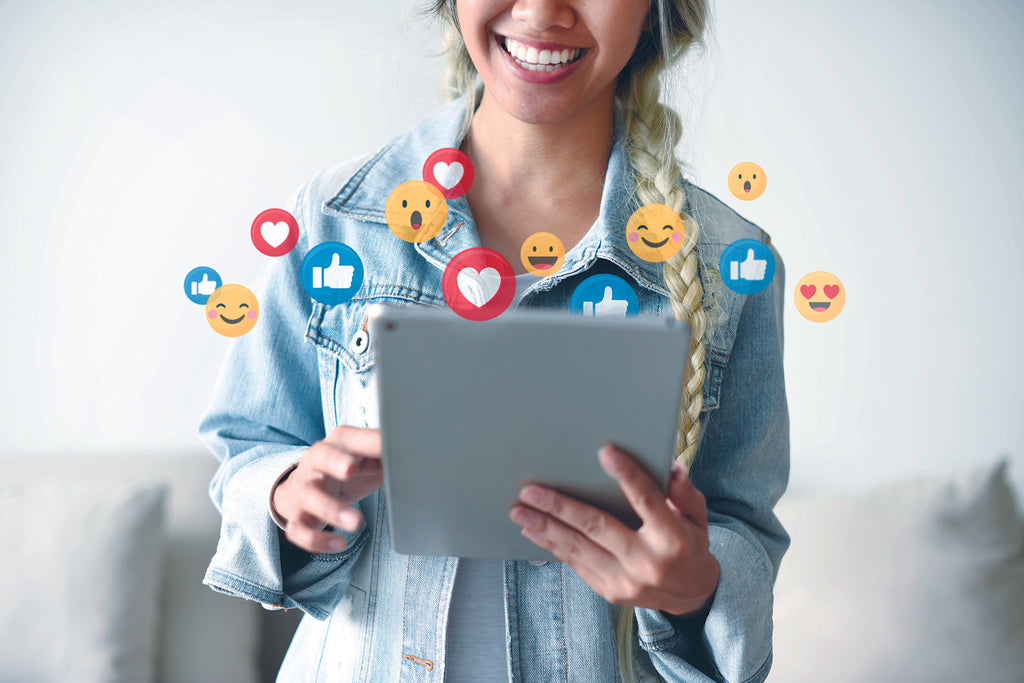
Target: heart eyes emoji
817	307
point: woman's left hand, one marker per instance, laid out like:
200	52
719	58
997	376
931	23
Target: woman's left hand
666	564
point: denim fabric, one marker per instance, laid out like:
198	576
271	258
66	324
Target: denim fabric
374	615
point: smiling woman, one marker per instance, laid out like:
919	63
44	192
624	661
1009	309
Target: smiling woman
558	108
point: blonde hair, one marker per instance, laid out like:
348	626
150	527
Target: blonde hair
652	132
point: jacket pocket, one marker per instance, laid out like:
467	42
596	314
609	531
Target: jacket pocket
347	378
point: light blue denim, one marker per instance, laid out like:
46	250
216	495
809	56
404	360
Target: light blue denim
374	615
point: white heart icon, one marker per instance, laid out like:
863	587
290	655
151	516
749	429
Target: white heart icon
448	175
478	287
274	233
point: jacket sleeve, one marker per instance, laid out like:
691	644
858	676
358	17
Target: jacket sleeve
742	468
266	410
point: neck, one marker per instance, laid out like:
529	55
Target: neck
515	158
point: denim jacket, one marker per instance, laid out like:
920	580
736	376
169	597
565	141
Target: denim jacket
375	615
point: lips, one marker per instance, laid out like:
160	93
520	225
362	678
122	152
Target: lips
543	262
229	321
654	245
416	220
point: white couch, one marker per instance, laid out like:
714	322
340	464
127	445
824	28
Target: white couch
915	581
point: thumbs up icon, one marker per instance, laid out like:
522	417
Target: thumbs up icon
204	288
606	306
747	266
750	269
334	276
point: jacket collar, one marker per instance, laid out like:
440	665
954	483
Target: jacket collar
364	195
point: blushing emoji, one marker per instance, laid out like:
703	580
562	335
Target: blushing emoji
819	296
747	181
232	310
416	211
542	253
655	232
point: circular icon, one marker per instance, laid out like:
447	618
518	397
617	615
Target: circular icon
478	284
747	181
655	232
747	266
542	253
200	283
450	170
819	296
275	232
416	211
601	295
232	310
331	272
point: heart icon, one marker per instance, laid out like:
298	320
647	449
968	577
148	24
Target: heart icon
448	175
808	290
478	287
274	233
831	291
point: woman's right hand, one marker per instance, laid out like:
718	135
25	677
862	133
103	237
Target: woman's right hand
331	477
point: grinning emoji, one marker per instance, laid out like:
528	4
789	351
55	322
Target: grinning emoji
416	211
542	253
819	296
232	310
747	181
655	232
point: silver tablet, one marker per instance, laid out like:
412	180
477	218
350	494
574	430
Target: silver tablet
471	411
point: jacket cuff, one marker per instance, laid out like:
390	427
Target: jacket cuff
274	514
735	640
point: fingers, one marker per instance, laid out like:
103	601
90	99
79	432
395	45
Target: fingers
640	489
363	443
599	527
686	498
306	532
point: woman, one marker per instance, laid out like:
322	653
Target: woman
559	113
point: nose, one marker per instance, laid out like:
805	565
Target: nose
544	15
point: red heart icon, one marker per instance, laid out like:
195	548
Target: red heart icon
808	290
831	291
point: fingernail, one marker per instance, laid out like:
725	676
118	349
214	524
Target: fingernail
349	518
534	496
335	544
522	516
609	458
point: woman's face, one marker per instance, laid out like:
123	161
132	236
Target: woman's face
544	60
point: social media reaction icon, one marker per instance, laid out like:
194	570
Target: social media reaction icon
450	170
200	283
604	295
232	310
747	266
331	272
819	296
416	211
655	232
478	284
542	253
747	181
275	232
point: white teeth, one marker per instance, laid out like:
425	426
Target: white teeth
539	60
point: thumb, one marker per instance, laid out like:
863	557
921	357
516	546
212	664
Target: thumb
336	261
205	276
684	498
750	256
607	294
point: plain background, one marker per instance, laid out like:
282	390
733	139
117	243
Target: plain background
139	140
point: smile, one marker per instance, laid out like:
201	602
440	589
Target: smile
543	262
540	59
819	306
654	245
229	321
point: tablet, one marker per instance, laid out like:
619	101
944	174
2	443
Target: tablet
471	411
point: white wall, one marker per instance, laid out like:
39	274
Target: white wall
140	141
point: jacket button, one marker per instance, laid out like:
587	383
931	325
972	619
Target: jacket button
538	563
360	342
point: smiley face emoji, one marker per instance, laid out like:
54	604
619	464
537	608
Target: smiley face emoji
232	310
819	296
747	181
416	211
542	253
655	232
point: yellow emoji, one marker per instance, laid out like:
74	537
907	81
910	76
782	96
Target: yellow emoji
232	310
819	296
542	253
747	181
655	232
416	211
